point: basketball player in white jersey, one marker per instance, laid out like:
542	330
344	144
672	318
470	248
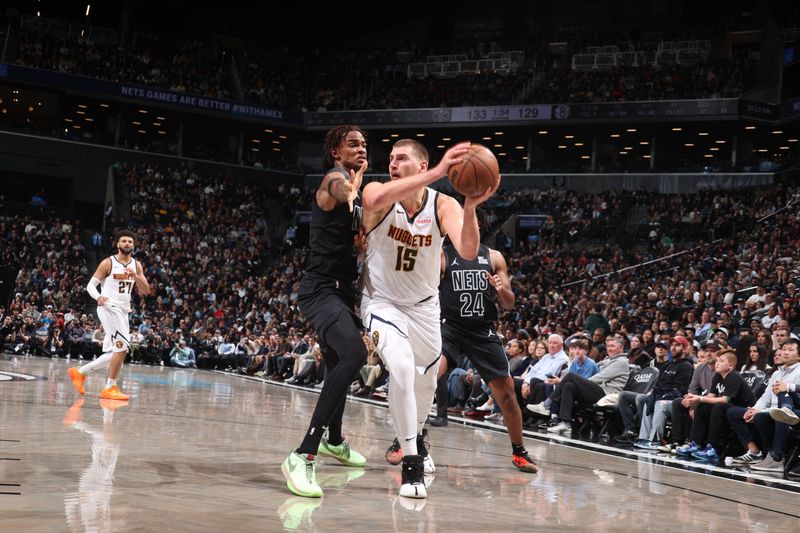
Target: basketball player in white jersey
118	275
405	223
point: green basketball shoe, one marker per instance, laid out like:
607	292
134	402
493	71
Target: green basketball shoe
300	473
342	452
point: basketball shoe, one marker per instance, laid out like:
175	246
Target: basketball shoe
394	454
113	393
341	452
301	475
423	449
413	481
77	379
524	462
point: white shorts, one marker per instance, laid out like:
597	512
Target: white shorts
116	326
390	325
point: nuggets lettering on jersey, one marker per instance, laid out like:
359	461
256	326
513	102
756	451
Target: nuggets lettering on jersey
409	239
403	259
118	285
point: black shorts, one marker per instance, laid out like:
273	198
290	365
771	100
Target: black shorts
484	351
321	302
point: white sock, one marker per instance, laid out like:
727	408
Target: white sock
110	382
101	362
424	389
402	406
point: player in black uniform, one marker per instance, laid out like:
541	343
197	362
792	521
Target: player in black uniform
327	299
469	294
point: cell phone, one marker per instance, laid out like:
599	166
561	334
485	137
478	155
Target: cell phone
549	376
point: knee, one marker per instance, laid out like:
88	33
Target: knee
402	373
354	358
504	393
720	409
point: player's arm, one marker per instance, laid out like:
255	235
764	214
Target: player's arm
103	270
141	281
380	196
500	281
335	190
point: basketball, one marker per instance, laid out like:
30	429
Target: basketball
477	171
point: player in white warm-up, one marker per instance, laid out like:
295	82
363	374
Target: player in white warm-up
405	223
117	275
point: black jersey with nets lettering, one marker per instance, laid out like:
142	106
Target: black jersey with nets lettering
467	299
333	253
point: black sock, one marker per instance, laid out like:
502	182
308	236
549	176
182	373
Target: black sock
337	441
304	454
518	449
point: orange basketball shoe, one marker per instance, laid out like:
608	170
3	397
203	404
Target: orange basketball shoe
524	462
394	455
77	379
113	393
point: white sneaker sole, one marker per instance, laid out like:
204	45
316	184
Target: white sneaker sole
430	468
413	490
292	487
739	462
781	416
537	409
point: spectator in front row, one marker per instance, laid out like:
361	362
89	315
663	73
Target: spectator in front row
673	382
611	377
701	383
550	364
728	390
581	365
182	356
780	393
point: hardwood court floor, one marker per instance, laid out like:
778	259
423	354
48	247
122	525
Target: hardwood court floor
201	451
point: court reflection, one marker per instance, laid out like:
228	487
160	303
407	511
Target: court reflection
296	513
89	509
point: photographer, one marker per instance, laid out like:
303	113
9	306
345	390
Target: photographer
53	345
74	344
25	336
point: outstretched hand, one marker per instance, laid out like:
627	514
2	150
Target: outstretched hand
354	185
494	280
474	201
453	156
